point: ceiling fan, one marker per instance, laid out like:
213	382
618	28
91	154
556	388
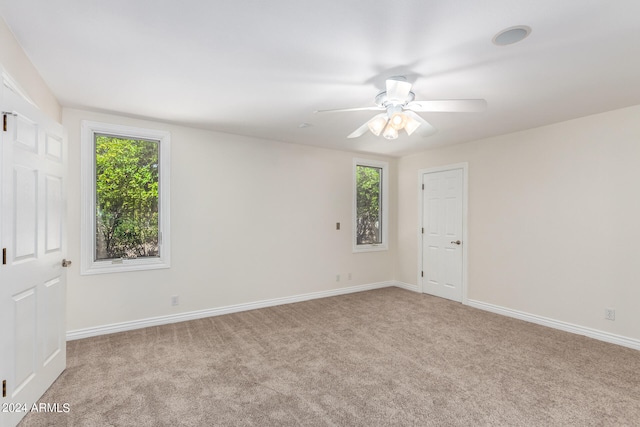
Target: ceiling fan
400	110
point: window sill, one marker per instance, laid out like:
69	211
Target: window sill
115	266
370	248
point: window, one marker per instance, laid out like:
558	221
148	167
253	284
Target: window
125	198
370	205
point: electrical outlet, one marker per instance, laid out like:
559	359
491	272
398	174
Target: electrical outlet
349	276
609	314
337	277
175	300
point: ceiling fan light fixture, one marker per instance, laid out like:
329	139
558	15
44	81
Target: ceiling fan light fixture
411	125
398	120
390	132
377	124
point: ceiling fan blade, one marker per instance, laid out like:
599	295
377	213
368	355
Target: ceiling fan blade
360	131
425	127
365	127
398	90
449	106
339	110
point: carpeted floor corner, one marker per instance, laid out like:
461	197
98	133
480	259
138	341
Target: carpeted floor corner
376	358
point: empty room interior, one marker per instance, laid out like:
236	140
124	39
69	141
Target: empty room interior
320	212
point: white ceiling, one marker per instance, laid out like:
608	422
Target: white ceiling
261	68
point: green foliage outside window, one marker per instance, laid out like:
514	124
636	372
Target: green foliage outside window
126	197
368	205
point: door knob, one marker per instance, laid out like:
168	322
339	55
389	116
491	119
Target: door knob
456	242
66	263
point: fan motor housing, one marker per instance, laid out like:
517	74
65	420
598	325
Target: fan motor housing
383	101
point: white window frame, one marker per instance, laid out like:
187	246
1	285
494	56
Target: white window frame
384	208
88	263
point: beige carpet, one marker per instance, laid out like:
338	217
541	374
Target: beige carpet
384	357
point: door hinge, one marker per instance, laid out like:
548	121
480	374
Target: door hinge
423	186
422	274
422	230
4	119
4	388
4	256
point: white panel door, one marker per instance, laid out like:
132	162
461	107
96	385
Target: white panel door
442	234
32	232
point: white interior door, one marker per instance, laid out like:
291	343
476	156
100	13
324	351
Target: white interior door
32	234
442	233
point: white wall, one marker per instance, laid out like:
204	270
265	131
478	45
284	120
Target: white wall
20	68
250	220
554	219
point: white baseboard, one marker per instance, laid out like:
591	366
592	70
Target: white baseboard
407	286
199	314
557	324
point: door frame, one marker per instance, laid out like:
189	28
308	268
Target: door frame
465	239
